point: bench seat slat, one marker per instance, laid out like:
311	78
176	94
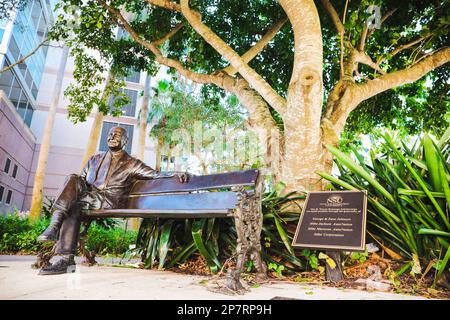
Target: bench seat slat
187	201
147	213
206	182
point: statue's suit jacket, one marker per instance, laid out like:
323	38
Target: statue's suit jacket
113	193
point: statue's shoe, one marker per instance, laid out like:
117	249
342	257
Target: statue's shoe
49	235
59	267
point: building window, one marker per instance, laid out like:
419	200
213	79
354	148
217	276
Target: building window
166	158
122	34
8	197
129	109
7	165
14	173
30	26
134	76
2	191
166	164
10	84
105	130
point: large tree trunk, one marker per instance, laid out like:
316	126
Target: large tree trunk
304	103
37	197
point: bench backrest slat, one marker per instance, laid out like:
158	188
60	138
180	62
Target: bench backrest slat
206	182
187	201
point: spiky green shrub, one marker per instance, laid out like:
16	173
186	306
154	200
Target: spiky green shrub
408	196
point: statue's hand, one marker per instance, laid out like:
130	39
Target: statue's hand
183	176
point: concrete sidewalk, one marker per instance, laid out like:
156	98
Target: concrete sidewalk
19	281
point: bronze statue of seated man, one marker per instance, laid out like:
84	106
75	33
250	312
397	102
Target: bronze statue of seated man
104	183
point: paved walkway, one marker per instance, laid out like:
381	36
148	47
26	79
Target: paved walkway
19	281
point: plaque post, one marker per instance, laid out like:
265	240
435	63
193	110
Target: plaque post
334	274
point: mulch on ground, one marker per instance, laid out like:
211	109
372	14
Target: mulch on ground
407	283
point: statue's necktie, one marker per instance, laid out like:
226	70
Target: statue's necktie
100	181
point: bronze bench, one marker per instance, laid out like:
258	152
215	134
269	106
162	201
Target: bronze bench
226	195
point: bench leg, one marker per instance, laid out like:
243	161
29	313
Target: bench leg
248	220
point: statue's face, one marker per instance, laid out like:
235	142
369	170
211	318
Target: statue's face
117	138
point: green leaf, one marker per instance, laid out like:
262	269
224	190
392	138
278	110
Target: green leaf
345	159
164	243
434	232
443	264
283	236
432	160
197	229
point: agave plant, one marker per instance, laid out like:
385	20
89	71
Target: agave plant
168	242
408	196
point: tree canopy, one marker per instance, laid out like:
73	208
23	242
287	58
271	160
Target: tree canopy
408	33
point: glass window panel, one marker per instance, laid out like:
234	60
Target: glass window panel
6	78
34	90
8	197
130	108
42	28
36	13
29	115
28	79
133	77
122	33
22	108
13	48
7	165
14	173
2	191
14	94
23	67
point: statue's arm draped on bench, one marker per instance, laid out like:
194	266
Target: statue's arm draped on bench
144	172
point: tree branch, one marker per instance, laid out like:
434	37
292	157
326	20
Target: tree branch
259	46
258	83
364	58
339	25
197	77
168	35
342	40
361	92
166	4
25	57
334	16
403	47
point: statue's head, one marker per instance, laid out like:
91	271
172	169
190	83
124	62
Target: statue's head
117	138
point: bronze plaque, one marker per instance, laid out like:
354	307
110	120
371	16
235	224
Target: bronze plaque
334	220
